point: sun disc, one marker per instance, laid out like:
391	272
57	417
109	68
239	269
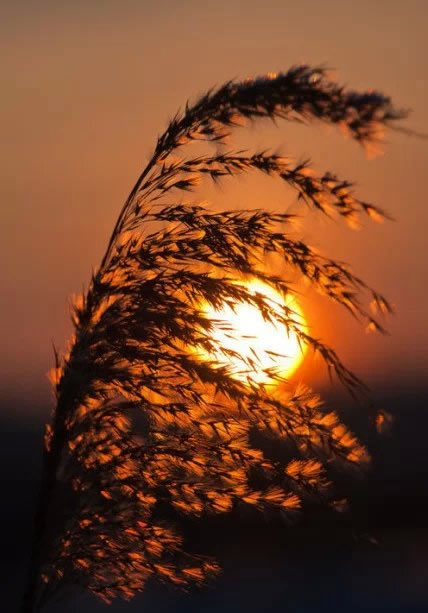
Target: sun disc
262	348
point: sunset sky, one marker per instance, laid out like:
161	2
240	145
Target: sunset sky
88	86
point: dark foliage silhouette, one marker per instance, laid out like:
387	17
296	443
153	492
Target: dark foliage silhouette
141	422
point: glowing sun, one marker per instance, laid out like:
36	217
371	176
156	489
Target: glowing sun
262	347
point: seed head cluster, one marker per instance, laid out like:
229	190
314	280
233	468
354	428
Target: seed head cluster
143	424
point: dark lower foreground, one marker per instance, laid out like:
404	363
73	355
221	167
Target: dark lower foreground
317	566
320	578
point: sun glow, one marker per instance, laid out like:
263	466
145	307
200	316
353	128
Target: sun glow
263	348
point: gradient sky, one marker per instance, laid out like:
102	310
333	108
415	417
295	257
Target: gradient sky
87	86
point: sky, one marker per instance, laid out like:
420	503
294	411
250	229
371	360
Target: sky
88	86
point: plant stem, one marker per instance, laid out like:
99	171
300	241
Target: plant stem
118	226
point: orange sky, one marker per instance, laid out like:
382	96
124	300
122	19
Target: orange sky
87	86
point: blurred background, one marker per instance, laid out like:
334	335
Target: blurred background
87	87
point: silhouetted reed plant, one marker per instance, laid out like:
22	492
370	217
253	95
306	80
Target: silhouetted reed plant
141	422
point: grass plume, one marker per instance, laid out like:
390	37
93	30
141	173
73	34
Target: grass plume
141	423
